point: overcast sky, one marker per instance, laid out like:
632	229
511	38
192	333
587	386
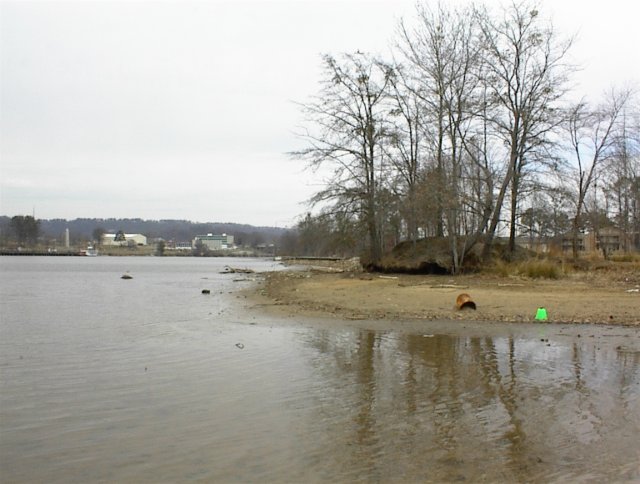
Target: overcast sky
186	110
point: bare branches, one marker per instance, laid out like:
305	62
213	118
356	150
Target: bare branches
593	133
458	129
349	133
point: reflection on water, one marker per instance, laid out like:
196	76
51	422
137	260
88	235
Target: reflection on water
445	408
150	381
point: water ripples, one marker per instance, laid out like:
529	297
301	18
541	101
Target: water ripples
149	381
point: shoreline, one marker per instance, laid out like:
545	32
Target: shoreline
320	292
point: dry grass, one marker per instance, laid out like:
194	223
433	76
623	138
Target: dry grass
533	269
539	269
632	257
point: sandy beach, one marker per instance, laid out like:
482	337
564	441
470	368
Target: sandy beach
602	297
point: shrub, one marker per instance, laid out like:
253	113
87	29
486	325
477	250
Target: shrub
502	268
540	269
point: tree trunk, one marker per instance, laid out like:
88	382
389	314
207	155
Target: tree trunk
495	219
574	234
514	210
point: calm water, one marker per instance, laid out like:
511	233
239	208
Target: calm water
148	380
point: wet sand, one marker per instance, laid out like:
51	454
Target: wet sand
612	299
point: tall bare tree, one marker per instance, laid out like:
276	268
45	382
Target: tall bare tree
527	75
462	100
423	48
624	178
593	134
405	145
346	130
443	53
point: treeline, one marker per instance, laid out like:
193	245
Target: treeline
25	229
470	131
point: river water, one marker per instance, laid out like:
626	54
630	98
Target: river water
148	380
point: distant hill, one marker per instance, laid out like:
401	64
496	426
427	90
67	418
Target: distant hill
176	230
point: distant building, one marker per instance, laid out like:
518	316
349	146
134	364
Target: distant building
583	243
607	239
129	239
214	242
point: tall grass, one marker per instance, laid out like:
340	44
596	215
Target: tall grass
540	269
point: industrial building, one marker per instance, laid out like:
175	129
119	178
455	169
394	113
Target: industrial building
214	242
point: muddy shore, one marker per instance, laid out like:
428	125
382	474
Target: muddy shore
611	298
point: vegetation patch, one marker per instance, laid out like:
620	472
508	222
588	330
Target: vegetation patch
540	269
533	269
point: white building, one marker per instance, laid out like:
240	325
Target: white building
129	239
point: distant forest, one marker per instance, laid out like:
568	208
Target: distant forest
83	229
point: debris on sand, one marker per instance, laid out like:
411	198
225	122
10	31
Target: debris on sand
464	301
235	270
126	276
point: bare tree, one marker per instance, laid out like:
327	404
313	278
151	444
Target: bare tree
346	131
592	134
526	79
462	75
405	143
624	178
444	54
424	50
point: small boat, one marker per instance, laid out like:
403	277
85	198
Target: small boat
91	251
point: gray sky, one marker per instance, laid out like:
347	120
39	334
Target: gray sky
185	109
